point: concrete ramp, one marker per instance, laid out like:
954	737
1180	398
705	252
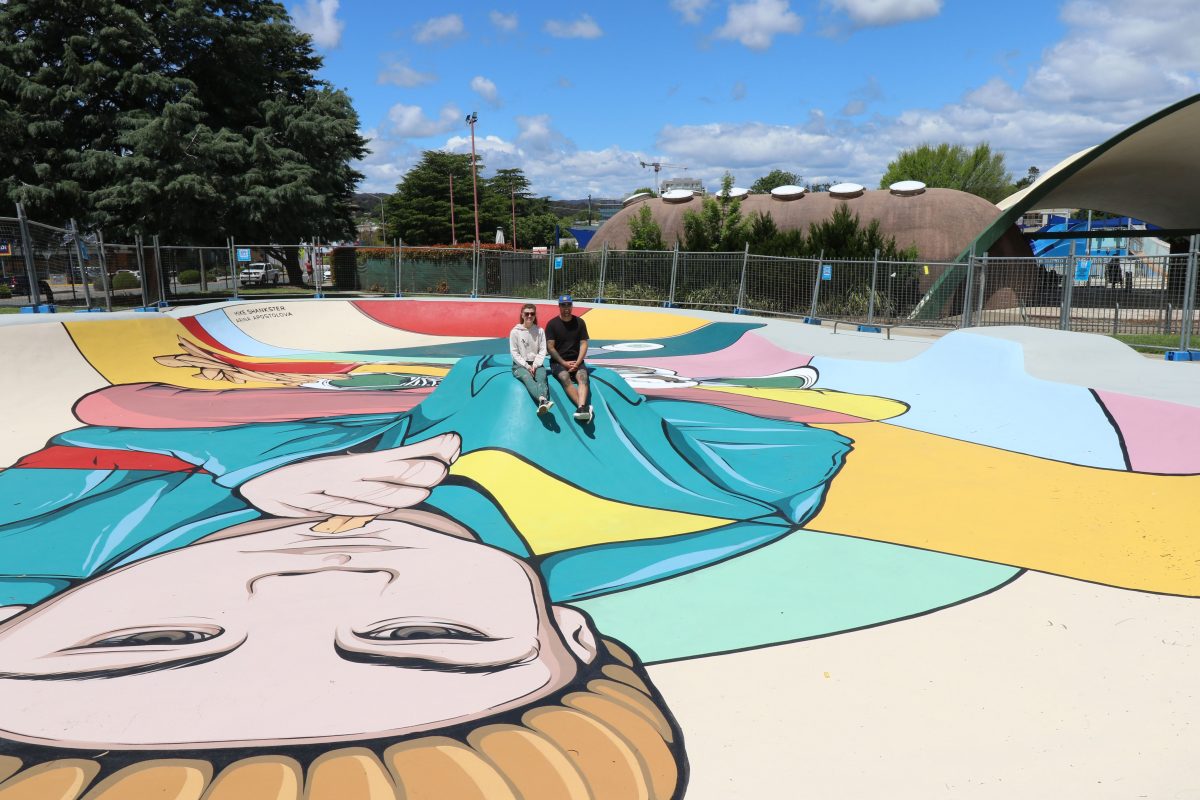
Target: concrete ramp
331	549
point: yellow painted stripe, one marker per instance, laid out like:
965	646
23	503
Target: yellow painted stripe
633	326
1118	528
527	494
856	405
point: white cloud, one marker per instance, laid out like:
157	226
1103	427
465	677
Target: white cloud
505	22
1078	94
757	22
401	74
485	89
318	18
690	10
886	12
583	28
410	122
439	28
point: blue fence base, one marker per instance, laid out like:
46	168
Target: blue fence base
869	329
812	320
669	304
44	308
598	300
740	311
1177	355
148	309
89	311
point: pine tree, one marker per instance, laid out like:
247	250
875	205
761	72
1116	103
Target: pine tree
196	120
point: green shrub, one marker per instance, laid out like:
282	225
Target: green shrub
189	276
125	280
5	291
711	298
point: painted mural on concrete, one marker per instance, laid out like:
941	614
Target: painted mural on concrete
330	550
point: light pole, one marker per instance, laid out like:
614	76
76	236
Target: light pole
472	118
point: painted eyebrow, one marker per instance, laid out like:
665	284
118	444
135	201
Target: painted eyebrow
429	663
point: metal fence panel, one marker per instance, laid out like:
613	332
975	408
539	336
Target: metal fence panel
708	281
638	277
576	274
783	286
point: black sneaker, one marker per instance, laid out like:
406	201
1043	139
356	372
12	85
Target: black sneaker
582	414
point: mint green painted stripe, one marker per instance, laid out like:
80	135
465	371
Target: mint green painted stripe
806	585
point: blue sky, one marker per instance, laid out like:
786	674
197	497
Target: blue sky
577	94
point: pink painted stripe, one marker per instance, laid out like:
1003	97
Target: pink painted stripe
758	406
749	357
1159	436
143	405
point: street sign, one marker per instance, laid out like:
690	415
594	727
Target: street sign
1083	270
243	254
558	262
827	272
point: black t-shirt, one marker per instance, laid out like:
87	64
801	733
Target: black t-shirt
567	336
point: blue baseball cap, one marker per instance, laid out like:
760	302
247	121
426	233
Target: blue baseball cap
565	300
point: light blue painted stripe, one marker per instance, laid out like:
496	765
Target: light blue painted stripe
975	389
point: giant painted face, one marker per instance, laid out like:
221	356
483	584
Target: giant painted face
287	635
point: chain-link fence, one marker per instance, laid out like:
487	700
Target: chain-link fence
45	267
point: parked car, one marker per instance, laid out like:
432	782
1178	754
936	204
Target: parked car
261	274
19	284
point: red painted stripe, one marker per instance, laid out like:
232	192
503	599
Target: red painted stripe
458	318
64	457
223	353
757	406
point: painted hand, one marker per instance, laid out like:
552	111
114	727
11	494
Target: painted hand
358	485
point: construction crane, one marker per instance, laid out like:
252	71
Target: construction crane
658	165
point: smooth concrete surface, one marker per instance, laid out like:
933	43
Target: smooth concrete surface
836	565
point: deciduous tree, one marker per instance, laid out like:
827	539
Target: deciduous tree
952	166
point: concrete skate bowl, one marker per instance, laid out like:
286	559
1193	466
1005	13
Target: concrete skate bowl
329	549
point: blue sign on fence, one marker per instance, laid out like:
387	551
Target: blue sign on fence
827	272
5	247
558	262
243	254
1083	270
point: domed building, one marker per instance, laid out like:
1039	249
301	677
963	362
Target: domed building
940	223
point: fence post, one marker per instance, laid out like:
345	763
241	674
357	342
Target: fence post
203	272
1116	317
1068	286
475	270
674	268
399	265
1189	294
141	262
982	293
230	246
35	292
104	271
740	306
82	254
161	270
603	270
965	320
550	273
812	312
871	294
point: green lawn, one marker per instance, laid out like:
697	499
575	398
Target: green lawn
1152	342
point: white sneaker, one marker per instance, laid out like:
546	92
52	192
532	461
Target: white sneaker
544	405
590	415
582	414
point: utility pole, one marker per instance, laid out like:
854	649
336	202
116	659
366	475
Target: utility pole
589	210
472	118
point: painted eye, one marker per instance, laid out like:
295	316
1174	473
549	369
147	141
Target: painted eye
404	633
155	638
